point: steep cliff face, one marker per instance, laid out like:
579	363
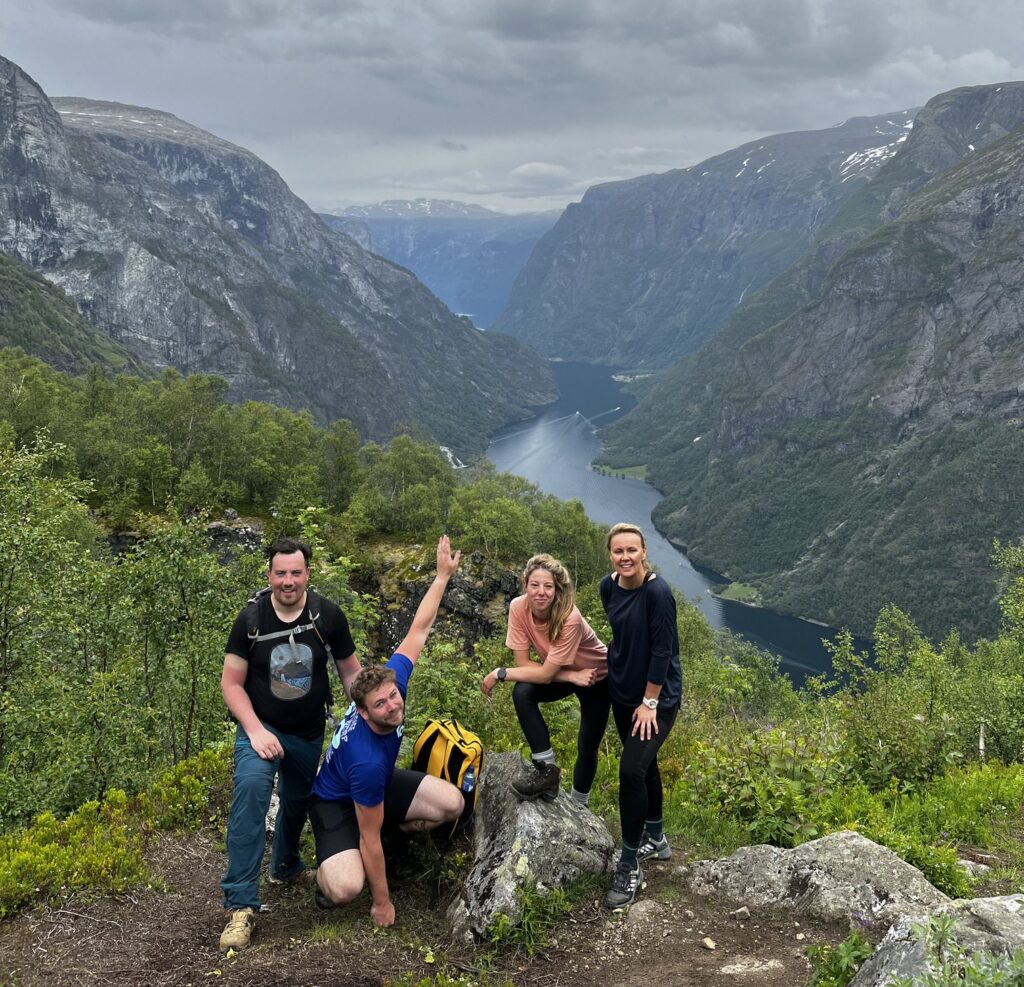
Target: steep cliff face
467	255
193	253
42	320
640	273
863	444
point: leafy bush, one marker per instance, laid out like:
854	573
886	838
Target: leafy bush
771	781
98	848
181	798
836	966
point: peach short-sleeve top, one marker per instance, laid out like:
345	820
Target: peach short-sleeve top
577	646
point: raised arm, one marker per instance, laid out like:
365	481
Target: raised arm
426	612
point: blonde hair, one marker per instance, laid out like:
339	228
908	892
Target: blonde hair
565	595
625	528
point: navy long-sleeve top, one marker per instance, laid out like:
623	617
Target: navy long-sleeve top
645	641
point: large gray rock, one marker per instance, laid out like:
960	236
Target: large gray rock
517	845
837	878
995	925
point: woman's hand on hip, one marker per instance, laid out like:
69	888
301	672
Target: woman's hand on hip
646	721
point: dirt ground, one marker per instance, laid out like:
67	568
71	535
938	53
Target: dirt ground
169	936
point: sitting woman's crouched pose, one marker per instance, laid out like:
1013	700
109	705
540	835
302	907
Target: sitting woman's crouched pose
573	661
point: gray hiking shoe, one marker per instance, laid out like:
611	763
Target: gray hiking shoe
658	849
626	885
537	779
238	931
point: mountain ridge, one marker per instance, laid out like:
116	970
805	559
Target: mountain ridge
642	272
851	437
193	253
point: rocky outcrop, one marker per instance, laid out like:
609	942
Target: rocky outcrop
467	255
476	599
540	846
993	925
193	253
641	272
846	878
842	877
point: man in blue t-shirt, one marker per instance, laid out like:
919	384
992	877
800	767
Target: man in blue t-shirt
358	789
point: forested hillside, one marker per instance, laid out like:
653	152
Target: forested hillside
41	318
113	731
851	437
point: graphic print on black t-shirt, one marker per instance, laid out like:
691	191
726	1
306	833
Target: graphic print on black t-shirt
291	669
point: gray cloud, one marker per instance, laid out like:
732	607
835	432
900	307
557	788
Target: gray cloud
354	101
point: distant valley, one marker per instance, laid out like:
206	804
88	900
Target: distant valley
467	255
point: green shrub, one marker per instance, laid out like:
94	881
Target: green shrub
98	848
181	797
539	914
835	966
770	781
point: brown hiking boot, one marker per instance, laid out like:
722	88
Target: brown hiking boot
537	779
238	931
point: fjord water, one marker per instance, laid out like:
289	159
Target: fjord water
555	451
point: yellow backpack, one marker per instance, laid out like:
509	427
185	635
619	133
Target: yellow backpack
446	749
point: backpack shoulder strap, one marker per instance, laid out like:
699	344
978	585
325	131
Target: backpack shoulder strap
252	614
313	602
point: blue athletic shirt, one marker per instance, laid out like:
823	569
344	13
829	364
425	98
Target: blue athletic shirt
359	763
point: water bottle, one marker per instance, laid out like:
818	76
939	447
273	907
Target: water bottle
469	780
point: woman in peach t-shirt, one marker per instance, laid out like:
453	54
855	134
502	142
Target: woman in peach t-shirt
573	661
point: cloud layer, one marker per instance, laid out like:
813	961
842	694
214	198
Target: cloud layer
512	103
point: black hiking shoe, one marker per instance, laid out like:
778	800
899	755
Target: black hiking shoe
324	903
650	847
537	779
626	885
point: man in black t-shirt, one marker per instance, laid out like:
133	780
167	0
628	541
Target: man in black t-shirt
276	686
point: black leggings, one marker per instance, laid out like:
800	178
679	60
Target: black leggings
594	703
640	794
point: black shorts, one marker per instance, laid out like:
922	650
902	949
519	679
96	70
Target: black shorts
335	827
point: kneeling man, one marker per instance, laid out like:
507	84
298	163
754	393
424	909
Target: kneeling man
358	789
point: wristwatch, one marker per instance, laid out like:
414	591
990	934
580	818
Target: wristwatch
501	674
650	702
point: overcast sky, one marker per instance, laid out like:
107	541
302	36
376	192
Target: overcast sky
514	104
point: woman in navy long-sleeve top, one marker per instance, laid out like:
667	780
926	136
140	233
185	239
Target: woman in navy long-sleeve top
646	684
